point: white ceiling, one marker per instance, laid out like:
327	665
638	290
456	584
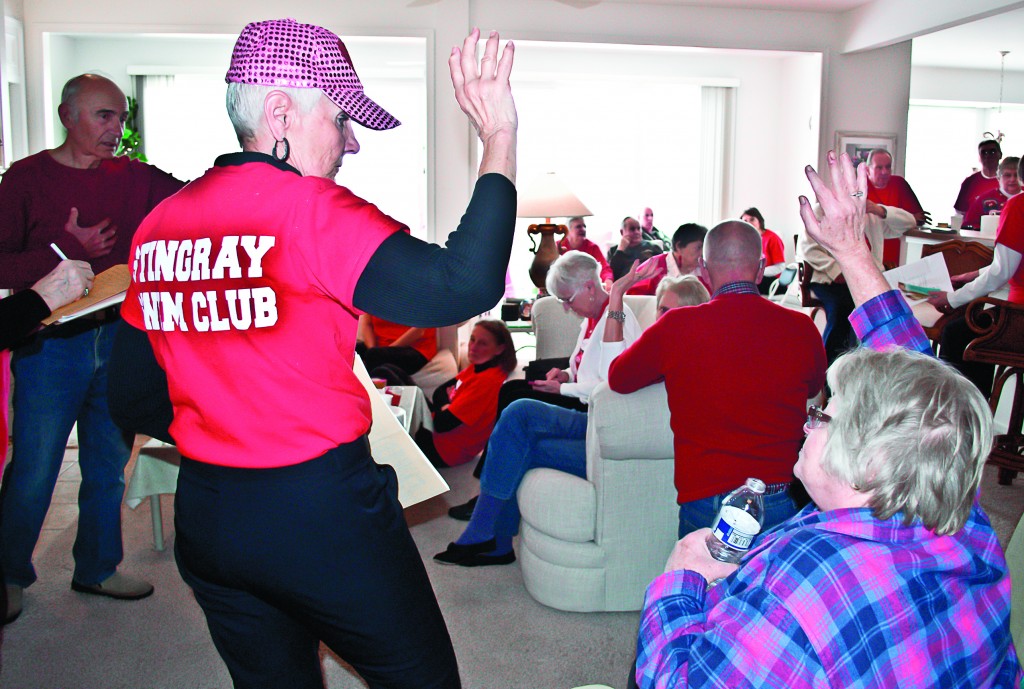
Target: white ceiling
828	6
975	45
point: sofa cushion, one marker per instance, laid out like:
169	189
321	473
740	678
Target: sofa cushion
558	504
633	426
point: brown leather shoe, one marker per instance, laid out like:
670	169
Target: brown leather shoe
14	602
118	586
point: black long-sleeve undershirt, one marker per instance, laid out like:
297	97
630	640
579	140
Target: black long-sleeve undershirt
406	281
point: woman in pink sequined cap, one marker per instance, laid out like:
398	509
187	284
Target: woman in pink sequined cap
247	288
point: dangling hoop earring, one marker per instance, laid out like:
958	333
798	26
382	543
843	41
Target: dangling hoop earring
287	150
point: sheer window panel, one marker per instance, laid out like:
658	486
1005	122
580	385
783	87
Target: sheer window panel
942	148
616	160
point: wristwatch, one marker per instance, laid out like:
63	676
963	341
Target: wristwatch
619	316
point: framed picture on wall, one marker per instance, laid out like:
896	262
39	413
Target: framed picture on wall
859	144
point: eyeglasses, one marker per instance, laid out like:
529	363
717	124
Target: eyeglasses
989	151
567	303
816	418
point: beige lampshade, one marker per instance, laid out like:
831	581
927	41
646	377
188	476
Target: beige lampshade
548	197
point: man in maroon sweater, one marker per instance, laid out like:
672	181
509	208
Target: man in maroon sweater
739	371
86	201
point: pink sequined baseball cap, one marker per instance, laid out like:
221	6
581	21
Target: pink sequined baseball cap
283	52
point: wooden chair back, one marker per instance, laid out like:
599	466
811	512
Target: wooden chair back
960	256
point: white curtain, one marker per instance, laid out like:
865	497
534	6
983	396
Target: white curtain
716	153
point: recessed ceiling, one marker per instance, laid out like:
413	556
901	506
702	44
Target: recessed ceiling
828	6
975	45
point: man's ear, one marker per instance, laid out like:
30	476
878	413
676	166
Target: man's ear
64	113
760	271
277	111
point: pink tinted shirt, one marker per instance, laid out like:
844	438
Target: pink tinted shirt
244	282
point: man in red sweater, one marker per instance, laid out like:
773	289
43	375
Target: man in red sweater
717	361
88	202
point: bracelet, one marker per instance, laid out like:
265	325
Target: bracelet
619	316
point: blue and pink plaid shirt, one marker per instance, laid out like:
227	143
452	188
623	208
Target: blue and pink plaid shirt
840	598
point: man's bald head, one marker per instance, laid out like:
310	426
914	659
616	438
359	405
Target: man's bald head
732	253
69	94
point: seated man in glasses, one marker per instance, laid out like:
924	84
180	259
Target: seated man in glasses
893	576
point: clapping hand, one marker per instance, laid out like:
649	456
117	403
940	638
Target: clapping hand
636	273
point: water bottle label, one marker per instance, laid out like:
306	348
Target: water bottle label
736	528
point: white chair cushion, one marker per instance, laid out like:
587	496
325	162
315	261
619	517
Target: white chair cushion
558	504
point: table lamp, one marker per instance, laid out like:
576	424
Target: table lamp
547	197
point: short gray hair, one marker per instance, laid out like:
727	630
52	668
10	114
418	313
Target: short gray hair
910	431
690	290
570	273
245	105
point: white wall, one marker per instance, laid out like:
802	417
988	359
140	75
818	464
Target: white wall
847	103
967	85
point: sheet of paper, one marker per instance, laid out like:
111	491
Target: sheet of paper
930	272
418	480
108	289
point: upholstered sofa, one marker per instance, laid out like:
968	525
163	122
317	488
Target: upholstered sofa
596	543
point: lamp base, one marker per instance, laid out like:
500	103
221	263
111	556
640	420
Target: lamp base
545	254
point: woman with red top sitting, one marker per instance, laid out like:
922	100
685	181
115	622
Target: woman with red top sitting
394	352
465	407
772	249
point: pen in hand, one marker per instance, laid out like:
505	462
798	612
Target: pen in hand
58	251
65	258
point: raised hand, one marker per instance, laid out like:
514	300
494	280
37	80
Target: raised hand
483	91
636	273
98	239
841	228
484	94
65	283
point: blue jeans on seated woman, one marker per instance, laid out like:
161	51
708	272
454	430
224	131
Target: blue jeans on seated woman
698	514
531	434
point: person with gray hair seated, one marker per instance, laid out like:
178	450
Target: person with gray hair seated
531	433
893	575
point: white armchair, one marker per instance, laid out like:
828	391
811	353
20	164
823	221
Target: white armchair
596	543
557	328
445	364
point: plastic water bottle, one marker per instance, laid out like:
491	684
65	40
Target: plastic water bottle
738	522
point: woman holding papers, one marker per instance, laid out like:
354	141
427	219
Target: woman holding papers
249	286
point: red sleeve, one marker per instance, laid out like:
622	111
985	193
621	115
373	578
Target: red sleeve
774	250
640	365
908	199
1011	225
21	265
476	400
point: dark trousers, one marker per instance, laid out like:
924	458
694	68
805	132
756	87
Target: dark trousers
956	335
282	559
838	304
394	364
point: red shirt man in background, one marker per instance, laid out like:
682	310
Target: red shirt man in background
576	240
982	181
887	189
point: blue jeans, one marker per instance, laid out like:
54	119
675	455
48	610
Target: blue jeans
699	514
58	381
531	434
